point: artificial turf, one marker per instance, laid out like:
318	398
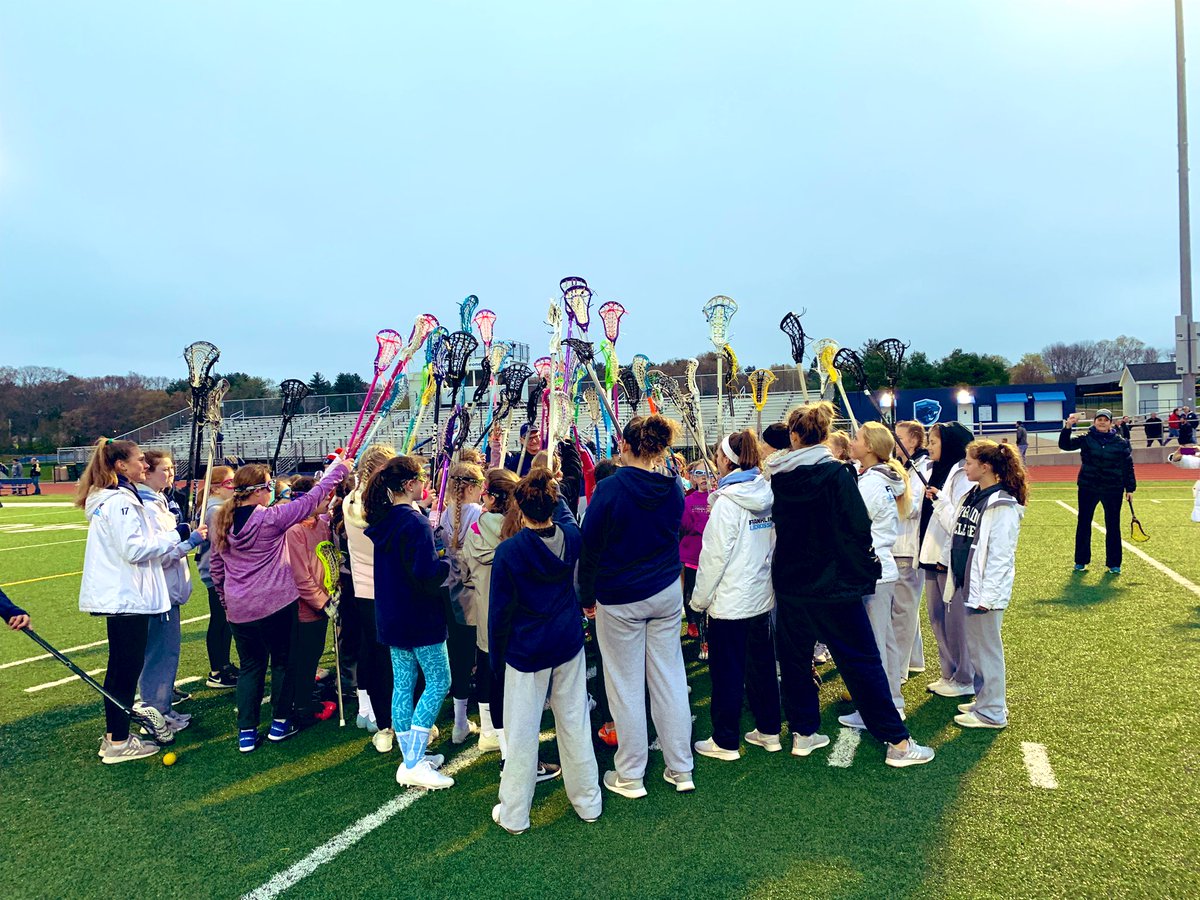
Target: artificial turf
1102	671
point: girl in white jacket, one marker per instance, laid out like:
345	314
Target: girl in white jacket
733	587
910	579
883	484
983	553
123	578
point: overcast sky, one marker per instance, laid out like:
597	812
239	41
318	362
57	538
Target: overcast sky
284	179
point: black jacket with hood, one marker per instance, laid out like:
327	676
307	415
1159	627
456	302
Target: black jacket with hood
1106	460
823	548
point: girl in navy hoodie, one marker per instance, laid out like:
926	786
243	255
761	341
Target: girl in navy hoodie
410	611
537	636
630	567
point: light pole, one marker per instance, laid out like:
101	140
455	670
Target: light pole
1188	384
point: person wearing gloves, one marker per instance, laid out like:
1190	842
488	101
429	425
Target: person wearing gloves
163	637
883	484
822	568
536	639
910	577
255	582
948	484
13	616
733	587
983	555
218	640
123	579
1106	478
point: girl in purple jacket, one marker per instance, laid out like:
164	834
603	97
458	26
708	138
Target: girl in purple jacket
251	574
691	535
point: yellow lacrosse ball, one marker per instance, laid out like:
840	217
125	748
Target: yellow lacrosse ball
169	759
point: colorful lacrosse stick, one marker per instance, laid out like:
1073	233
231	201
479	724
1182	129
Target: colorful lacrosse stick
466	310
693	366
423	326
428	386
389	348
331	564
760	381
641	365
731	383
717	312
825	359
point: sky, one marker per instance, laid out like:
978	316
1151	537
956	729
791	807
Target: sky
285	179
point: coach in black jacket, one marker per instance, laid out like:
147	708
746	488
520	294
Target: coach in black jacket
1106	478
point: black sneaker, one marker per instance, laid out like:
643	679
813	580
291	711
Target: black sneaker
547	771
179	697
222	680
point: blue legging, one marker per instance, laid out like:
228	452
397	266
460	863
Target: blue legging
434	662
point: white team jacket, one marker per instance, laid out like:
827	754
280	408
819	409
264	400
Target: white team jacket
936	546
879	487
909	540
733	580
992	561
175	566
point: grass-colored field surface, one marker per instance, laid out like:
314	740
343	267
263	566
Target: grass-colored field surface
1103	672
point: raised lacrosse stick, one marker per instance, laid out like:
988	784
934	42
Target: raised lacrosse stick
825	359
485	324
577	299
790	325
331	563
389	346
632	386
399	389
732	386
441	362
823	372
200	357
199	403
213	417
591	400
537	385
425	325
459	347
891	351
512	381
458	427
466	310
641	366
291	394
584	355
717	312
693	366
428	387
760	381
554	319
687	410
544	366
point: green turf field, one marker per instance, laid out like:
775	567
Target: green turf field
1102	673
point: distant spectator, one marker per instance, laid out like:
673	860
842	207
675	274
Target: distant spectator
1173	424
1022	440
18	471
1125	427
1154	430
4	473
1187	428
35	469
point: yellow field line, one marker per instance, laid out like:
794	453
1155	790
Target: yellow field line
43	578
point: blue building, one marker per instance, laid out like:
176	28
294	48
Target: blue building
1041	407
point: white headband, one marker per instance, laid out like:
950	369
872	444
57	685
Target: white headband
727	449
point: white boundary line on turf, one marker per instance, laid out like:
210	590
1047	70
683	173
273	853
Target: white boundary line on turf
1169	572
1037	764
38	546
93	644
67	680
842	754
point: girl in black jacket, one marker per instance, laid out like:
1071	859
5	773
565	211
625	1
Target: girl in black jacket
824	566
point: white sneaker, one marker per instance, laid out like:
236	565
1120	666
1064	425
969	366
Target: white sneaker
123	751
682	780
710	748
769	742
384	740
970	720
804	744
853	720
944	688
458	735
632	789
966	707
488	741
496	819
915	670
423	775
435	759
177	721
915	755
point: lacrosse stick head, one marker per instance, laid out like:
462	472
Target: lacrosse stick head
331	565
434	344
610	314
542	365
731	362
612	367
562	415
693	366
582	350
641	368
200	357
423	326
577	297
485	322
790	325
485	380
847	362
499	353
466	310
554	317
760	381
213	402
389	348
537	386
1136	532
592	402
513	379
292	393
633	387
717	312
459	347
891	351
461	420
673	392
199	399
823	352
428	384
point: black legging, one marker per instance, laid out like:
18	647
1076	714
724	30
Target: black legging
1111	501
263	642
126	653
219	637
489	687
374	664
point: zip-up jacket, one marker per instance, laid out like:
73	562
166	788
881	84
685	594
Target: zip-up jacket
823	548
935	548
734	577
695	518
1106	460
410	605
534	619
879	487
307	571
475	561
175	565
908	541
992	560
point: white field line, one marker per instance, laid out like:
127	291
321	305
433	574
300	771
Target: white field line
67	680
39	546
93	644
296	873
1037	764
21	504
1169	572
1159	501
842	754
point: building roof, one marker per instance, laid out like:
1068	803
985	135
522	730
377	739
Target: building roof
1010	398
1160	371
1050	397
1102	378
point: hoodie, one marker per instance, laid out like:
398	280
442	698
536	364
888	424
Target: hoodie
734	576
475	564
823	551
175	566
880	487
908	541
360	550
410	606
534	621
695	517
307	571
631	538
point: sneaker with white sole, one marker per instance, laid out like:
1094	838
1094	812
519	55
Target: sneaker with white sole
132	747
496	819
282	730
488	742
633	788
435	759
178	696
423	775
966	707
971	720
709	747
460	735
769	742
248	740
853	720
547	772
682	780
384	740
944	688
222	680
177	721
913	755
915	670
804	744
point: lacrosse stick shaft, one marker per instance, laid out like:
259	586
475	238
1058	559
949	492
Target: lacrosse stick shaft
83	676
337	661
720	392
362	412
212	451
803	381
846	400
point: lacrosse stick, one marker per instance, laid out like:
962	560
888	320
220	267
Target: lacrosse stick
891	351
584	353
731	384
389	346
554	318
147	717
1136	532
790	325
458	426
760	381
292	393
440	362
641	365
577	299
213	417
511	380
200	357
611	314
544	366
331	563
424	325
537	386
822	372
687	410
717	312
693	366
633	389
592	401
400	388
485	324
466	310
459	347
428	386
827	359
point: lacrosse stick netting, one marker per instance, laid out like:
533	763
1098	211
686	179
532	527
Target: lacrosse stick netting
790	325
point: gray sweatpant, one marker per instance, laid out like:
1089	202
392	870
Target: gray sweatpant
906	613
641	649
524	700
987	653
161	665
948	621
879	612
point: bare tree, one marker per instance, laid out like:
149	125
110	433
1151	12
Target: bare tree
1067	362
1119	352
